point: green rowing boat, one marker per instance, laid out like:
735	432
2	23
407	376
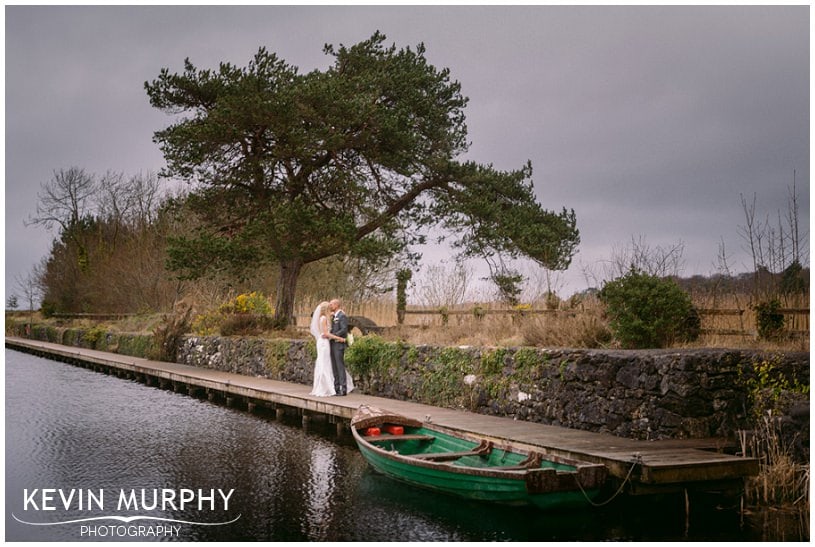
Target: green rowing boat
439	459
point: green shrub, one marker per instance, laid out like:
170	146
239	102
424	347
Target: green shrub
372	353
769	320
766	382
528	359
46	333
137	345
93	335
445	315
48	308
645	311
443	381
71	337
492	362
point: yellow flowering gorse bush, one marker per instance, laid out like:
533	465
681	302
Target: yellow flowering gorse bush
254	302
245	313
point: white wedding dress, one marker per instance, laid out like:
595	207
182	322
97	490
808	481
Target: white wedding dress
323	376
323	385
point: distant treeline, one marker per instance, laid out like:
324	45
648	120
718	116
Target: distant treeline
761	284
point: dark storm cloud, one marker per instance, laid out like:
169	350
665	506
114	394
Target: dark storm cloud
646	120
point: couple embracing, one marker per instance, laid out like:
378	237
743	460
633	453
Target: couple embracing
329	326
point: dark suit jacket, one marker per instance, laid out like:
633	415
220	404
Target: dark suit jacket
339	326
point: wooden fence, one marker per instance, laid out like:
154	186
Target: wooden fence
743	322
715	321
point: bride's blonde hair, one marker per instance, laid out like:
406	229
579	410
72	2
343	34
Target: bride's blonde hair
325	310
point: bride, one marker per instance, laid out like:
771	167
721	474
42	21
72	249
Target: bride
323	376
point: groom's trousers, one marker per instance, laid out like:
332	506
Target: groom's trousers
338	367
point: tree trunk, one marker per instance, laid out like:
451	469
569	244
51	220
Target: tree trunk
284	307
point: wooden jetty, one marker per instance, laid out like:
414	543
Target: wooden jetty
642	467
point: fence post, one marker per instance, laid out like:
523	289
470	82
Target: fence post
402	278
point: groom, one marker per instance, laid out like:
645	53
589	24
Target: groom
339	330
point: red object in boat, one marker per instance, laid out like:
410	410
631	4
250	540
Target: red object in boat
395	429
372	432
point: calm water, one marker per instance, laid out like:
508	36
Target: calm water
71	428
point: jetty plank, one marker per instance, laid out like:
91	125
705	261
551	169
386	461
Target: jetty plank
655	463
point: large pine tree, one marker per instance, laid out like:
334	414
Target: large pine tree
358	159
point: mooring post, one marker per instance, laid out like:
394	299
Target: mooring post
687	512
280	413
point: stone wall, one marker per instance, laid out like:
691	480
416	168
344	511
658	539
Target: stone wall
639	394
287	360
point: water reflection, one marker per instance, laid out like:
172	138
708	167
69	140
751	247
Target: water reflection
67	427
316	521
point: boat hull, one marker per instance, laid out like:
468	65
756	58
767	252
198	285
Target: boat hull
443	462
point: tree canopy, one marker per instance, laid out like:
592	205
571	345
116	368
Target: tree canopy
358	159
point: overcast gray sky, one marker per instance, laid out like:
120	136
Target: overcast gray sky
648	121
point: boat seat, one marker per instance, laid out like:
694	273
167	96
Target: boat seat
482	449
406	437
532	461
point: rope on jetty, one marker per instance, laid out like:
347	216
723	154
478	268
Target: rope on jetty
637	461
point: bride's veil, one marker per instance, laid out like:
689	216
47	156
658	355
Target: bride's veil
314	326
